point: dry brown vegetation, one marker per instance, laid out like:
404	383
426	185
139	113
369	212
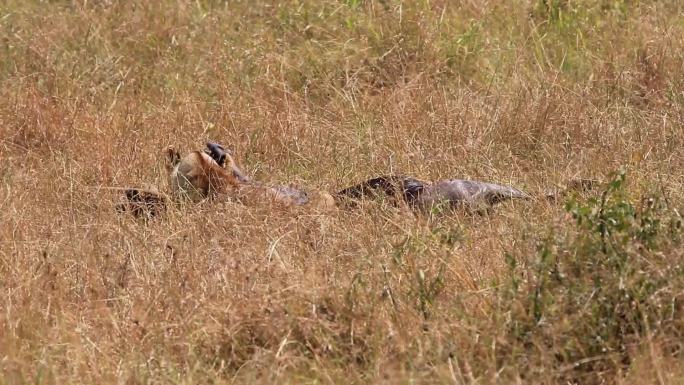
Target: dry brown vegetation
324	94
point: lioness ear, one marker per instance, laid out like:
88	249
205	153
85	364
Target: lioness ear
172	157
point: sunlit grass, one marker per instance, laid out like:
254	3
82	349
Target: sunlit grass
323	94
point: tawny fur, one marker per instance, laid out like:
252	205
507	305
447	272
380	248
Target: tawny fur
197	176
257	193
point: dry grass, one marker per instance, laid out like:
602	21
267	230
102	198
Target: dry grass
321	94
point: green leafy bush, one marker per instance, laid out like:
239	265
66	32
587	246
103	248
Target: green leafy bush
594	294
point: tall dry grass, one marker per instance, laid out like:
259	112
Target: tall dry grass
323	94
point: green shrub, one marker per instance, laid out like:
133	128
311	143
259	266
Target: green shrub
593	295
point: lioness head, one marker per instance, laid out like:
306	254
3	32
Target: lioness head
200	174
224	158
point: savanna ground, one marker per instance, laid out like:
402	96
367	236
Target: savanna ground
324	94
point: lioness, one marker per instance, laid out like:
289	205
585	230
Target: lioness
200	174
213	173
